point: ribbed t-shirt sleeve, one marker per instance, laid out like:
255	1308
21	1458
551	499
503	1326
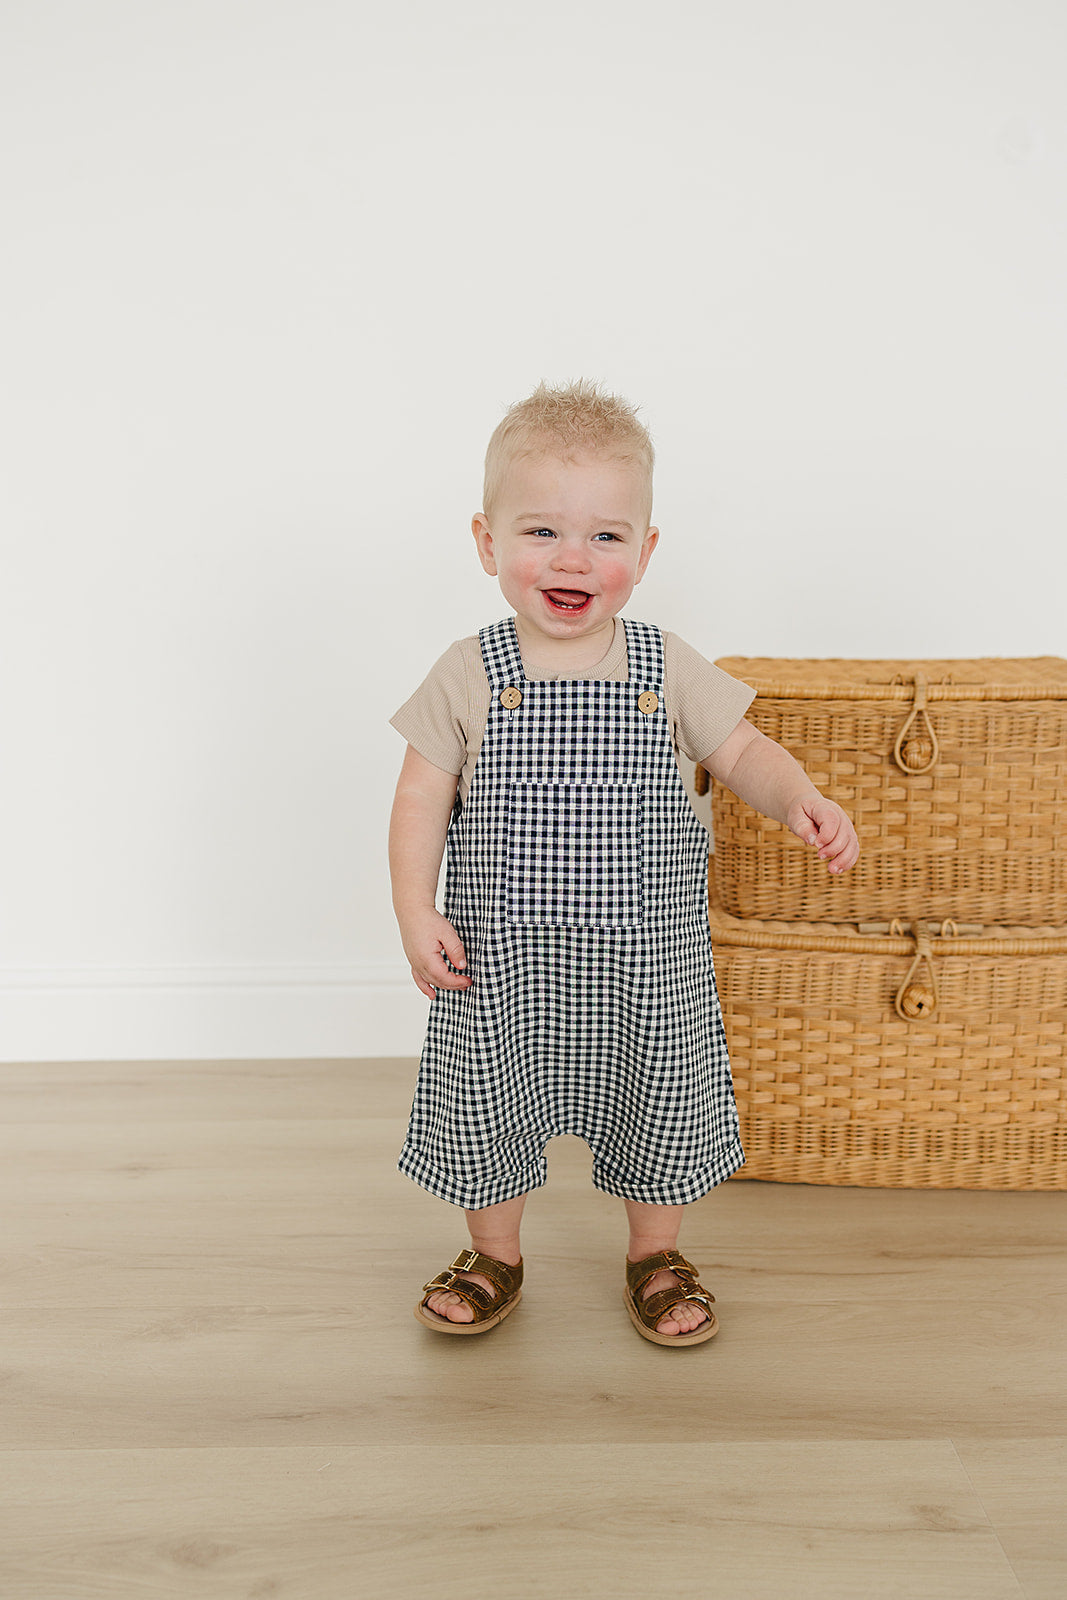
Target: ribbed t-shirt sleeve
704	703
434	720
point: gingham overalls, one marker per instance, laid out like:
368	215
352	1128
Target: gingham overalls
576	877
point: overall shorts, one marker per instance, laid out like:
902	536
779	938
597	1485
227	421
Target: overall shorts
576	876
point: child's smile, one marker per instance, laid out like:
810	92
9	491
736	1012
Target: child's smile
572	600
568	542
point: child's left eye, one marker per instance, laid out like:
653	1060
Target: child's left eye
549	533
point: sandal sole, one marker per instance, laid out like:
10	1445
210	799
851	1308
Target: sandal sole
705	1332
430	1319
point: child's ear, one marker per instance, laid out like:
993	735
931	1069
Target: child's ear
483	538
651	540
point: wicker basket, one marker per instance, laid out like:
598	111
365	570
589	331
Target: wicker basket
954	773
919	1060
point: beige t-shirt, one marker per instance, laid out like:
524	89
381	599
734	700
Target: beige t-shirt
446	716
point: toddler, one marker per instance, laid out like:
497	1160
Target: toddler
570	976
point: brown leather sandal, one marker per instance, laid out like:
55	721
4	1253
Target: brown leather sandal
644	1314
489	1309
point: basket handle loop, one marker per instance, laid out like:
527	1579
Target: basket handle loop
917	996
917	750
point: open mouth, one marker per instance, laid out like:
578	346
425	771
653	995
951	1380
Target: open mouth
572	601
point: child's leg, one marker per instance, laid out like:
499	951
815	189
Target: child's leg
655	1228
494	1232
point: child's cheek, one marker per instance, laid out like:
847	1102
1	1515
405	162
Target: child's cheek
617	576
527	567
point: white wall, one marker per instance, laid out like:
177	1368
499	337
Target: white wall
271	271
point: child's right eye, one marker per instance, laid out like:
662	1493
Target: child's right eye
551	535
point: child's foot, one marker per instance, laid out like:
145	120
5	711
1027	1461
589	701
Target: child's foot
450	1306
447	1304
685	1317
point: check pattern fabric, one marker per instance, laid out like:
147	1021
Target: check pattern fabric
574	855
576	876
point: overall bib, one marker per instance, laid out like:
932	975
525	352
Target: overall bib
576	876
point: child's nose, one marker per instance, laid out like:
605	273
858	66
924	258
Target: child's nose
571	558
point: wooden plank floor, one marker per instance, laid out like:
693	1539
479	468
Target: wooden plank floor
213	1385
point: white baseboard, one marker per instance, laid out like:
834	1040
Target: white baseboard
209	1013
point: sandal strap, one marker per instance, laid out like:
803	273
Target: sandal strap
655	1308
481	1302
505	1277
688	1287
506	1280
639	1272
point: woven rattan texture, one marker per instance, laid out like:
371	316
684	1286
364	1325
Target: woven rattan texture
834	1087
984	677
979	837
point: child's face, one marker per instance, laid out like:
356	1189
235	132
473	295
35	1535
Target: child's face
569	540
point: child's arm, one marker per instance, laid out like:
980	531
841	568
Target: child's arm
421	810
763	774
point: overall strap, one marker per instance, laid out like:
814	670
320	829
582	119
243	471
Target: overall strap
503	658
501	654
644	651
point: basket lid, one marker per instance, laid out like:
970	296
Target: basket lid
961	678
948	937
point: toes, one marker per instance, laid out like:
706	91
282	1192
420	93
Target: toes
449	1305
685	1318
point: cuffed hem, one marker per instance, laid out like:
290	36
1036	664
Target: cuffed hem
472	1194
673	1191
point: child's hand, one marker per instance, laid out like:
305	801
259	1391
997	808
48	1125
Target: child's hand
821	823
429	937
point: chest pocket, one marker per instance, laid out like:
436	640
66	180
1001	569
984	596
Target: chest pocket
574	855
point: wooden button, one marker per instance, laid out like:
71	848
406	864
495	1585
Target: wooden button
511	698
648	702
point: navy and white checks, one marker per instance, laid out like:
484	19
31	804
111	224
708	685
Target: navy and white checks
574	855
576	876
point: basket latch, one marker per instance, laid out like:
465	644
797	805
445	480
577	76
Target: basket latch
917	996
916	749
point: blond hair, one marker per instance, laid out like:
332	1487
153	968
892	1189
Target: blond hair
574	417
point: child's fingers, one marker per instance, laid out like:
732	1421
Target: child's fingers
816	826
423	987
844	852
835	838
437	974
429	982
832	837
848	857
453	946
429	945
828	830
